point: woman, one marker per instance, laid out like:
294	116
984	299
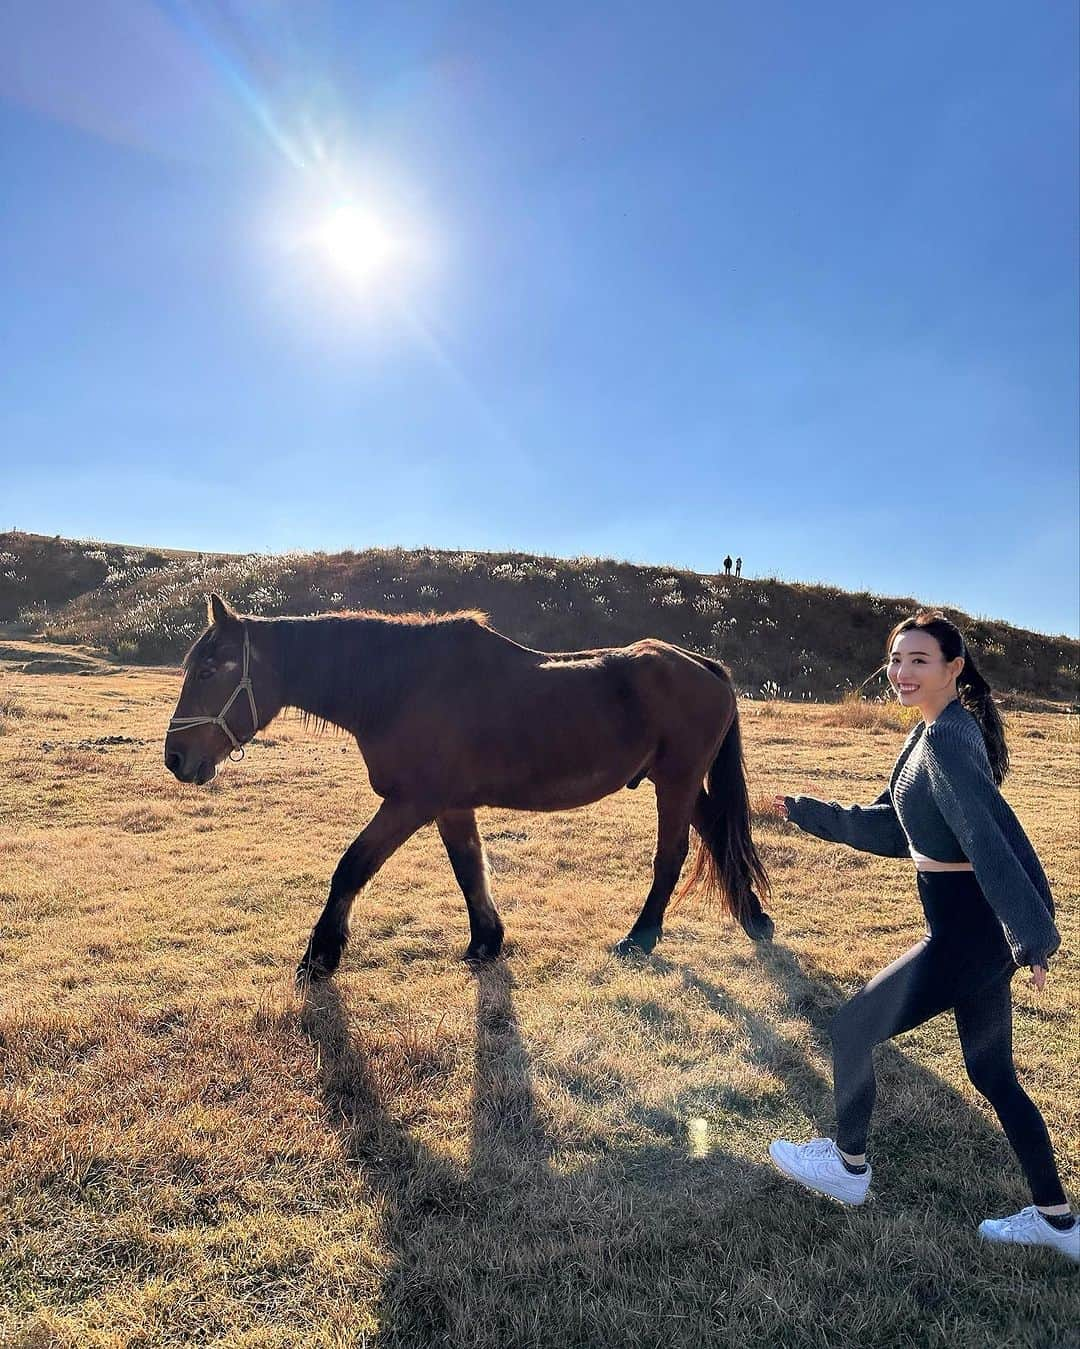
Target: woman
988	910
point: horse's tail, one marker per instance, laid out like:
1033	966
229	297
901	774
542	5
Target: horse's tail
726	859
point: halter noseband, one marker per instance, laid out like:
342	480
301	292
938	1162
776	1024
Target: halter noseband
185	723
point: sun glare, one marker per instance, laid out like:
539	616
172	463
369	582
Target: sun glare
358	243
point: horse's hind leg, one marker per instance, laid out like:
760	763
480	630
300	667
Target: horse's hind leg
391	825
674	807
466	852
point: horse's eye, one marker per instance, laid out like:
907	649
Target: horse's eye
205	673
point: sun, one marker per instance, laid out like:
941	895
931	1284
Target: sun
359	244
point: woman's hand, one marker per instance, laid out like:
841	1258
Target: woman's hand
1038	977
779	808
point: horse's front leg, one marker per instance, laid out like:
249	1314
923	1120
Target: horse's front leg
391	825
674	806
465	849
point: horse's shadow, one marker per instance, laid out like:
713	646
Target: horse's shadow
524	1245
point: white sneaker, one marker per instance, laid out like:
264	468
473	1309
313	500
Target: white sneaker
819	1166
1030	1228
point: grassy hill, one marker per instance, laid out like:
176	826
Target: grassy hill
779	638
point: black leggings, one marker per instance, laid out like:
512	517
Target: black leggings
963	963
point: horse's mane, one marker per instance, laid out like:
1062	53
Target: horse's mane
473	616
412	619
358	665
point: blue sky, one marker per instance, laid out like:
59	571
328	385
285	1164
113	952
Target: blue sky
799	282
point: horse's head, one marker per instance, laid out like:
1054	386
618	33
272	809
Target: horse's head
226	697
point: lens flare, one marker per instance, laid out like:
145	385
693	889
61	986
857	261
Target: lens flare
697	1134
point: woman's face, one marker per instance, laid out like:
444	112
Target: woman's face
919	672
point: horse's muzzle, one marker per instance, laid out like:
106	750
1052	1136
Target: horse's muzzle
198	773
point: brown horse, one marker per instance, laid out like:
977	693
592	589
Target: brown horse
449	716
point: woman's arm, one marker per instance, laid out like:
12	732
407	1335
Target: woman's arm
992	839
874	828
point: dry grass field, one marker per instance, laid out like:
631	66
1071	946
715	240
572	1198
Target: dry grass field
560	1150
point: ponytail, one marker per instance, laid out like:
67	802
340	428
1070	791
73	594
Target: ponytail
974	692
975	695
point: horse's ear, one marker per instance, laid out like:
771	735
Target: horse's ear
218	612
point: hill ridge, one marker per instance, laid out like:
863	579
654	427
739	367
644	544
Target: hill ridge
780	638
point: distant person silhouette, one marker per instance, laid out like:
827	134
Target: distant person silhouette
738	566
727	565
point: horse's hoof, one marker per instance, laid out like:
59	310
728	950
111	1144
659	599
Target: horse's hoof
631	947
760	928
311	972
481	953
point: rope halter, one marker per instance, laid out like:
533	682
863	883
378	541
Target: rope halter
237	751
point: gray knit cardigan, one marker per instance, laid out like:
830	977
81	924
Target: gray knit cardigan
942	801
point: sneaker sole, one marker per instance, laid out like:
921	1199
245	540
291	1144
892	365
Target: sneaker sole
1028	1245
815	1189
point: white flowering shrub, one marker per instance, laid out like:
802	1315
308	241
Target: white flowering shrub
464	562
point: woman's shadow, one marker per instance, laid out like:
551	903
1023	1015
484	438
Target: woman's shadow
575	1240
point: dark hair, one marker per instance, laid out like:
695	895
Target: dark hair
972	688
